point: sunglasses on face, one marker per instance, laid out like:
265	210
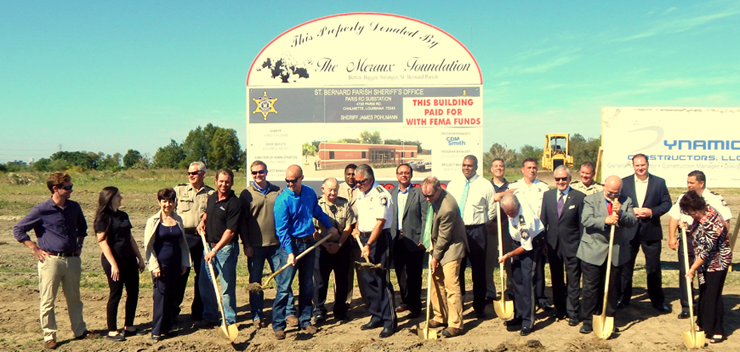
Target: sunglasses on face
612	195
561	179
67	188
362	182
261	172
193	173
295	180
427	195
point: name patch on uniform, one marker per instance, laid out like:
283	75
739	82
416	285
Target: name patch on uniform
222	208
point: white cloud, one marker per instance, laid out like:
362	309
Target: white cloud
669	10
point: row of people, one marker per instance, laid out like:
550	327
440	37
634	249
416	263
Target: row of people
395	226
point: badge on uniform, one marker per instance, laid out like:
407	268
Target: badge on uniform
383	201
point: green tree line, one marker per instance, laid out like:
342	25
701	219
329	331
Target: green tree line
215	146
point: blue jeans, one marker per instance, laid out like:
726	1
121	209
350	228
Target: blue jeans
224	266
256	265
284	280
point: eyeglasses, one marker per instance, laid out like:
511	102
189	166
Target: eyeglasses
193	173
362	182
295	180
612	195
427	195
261	172
561	179
67	188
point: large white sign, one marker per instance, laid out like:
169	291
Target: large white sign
676	142
362	88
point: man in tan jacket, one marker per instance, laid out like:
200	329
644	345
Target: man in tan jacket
446	230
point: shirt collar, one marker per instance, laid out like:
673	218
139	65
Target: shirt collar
565	192
406	191
472	178
263	191
637	180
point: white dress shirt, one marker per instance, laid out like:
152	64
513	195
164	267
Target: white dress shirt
530	194
713	199
524	227
479	206
402	196
641	190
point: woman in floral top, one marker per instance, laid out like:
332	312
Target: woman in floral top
713	257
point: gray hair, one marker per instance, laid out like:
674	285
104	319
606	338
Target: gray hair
329	179
562	167
199	164
433	181
509	200
366	170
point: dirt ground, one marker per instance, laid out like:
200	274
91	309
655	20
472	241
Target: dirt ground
642	328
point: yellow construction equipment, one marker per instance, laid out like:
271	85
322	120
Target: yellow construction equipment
557	151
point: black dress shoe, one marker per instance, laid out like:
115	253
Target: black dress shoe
414	314
480	314
572	322
525	331
513	322
559	316
545	306
386	333
683	315
622	303
371	325
662	308
586	329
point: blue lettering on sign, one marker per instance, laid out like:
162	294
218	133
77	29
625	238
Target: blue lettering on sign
702	144
455	141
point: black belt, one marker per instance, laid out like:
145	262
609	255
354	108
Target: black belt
212	244
62	254
302	239
473	226
367	234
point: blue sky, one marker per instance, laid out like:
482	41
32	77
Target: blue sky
104	76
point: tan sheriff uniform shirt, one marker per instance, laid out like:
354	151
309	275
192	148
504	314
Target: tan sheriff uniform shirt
191	205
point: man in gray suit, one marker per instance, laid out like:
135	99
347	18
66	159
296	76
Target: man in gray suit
409	217
601	211
449	244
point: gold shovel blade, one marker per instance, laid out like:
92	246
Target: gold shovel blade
230	332
426	333
504	309
603	326
693	339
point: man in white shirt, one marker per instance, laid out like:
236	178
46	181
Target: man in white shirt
530	190
475	197
524	228
696	181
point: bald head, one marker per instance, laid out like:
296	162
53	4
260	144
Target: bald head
293	177
612	186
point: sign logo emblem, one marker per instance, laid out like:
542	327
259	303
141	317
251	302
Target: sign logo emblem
265	105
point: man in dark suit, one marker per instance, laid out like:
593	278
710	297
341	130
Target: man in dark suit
561	218
409	217
601	211
650	200
448	241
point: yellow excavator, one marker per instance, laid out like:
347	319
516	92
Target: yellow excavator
557	151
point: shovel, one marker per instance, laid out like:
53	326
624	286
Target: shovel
256	286
691	338
603	325
504	309
424	332
229	331
367	265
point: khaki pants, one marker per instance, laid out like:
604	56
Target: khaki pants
52	272
447	302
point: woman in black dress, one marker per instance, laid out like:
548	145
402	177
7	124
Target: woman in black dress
168	257
121	260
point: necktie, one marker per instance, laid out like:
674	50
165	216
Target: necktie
609	207
560	205
464	198
426	239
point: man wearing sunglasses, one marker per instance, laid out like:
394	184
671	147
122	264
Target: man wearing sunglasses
259	239
561	218
374	218
295	208
60	229
192	198
602	211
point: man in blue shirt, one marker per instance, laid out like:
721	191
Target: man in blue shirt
60	228
295	208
